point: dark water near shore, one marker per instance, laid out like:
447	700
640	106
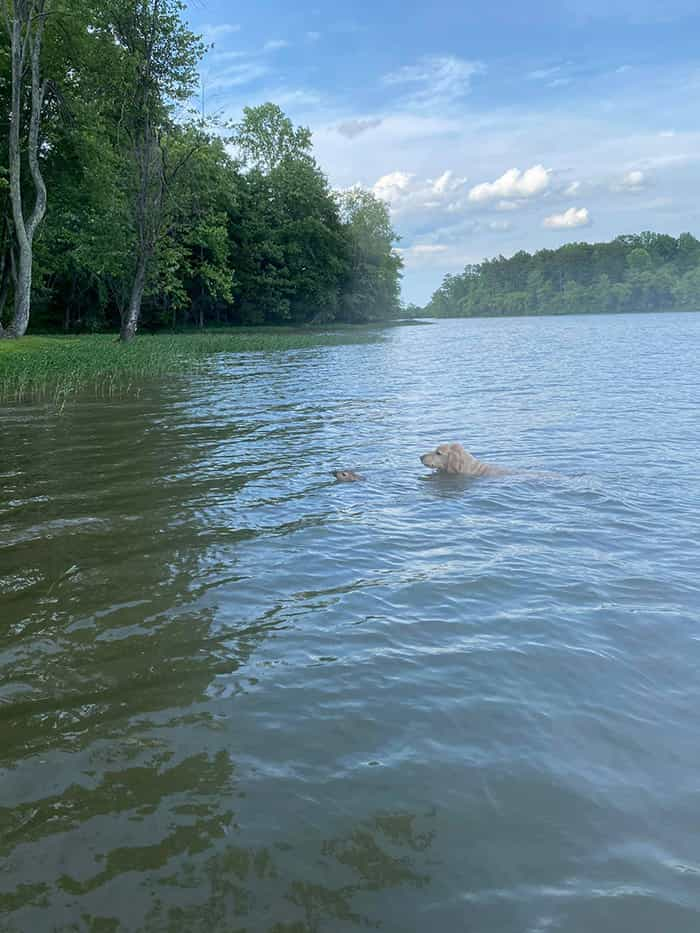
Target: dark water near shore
237	697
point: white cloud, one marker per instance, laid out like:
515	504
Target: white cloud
424	254
437	79
513	183
391	187
313	36
446	183
572	189
274	44
574	217
426	249
406	193
632	181
211	33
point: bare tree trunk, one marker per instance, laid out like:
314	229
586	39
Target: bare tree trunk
26	29
130	319
4	283
149	203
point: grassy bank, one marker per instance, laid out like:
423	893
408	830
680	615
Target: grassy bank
55	367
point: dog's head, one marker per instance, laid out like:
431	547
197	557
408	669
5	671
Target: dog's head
346	476
448	458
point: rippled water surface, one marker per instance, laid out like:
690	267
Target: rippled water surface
236	696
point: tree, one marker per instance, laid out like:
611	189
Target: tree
289	248
194	269
25	22
641	272
158	71
266	137
371	290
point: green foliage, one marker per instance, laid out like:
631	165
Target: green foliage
645	272
265	137
372	286
256	238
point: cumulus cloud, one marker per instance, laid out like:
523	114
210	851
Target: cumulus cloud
405	193
574	217
513	184
436	79
353	128
446	183
392	186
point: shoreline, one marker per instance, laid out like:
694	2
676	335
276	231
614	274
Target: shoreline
514	314
54	367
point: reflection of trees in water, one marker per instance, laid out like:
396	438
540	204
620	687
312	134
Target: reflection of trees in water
107	567
237	888
256	889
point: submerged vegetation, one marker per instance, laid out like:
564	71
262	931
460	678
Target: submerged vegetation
53	367
155	217
646	272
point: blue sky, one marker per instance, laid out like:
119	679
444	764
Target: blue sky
487	128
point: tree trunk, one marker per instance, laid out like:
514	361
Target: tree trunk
26	28
23	295
148	215
4	287
130	320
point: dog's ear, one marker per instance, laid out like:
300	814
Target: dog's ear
455	458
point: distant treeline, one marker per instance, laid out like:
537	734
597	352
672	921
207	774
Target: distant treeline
120	208
644	272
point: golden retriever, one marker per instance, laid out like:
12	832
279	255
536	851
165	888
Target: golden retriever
453	458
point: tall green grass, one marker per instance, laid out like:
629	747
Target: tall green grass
58	367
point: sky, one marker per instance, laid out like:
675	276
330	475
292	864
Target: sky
487	128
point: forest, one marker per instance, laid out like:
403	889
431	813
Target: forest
641	272
123	208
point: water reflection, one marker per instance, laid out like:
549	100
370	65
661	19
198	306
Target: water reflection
259	888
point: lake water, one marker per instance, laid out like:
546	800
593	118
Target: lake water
236	696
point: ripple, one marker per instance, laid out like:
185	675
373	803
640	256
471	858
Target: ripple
233	691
